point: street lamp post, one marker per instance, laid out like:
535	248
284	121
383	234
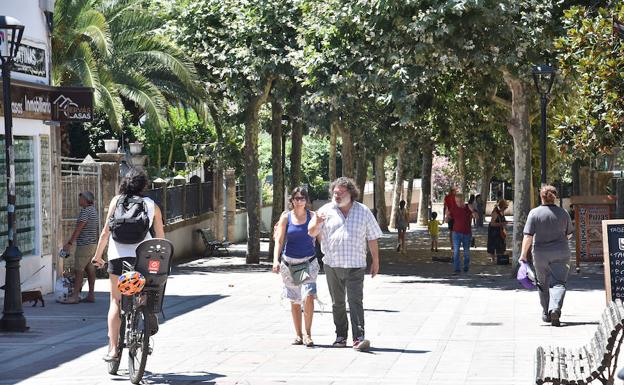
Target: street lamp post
543	76
11	31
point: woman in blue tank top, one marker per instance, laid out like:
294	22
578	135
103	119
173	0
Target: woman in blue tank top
296	247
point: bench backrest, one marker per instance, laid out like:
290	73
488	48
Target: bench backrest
590	360
604	339
207	234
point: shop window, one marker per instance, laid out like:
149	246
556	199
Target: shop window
25	191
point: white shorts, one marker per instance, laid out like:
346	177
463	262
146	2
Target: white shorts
292	291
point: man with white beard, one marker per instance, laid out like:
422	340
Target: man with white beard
346	226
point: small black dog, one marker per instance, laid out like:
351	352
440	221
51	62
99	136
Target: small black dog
33	295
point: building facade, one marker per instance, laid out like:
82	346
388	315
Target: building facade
38	109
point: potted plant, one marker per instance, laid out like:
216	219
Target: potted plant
136	148
110	145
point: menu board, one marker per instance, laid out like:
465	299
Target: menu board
588	218
613	252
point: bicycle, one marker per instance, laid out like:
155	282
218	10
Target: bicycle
138	311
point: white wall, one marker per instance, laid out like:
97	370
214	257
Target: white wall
240	223
28	13
35	31
186	240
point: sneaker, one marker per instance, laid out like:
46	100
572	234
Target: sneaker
298	341
545	317
307	341
361	344
554	317
341	342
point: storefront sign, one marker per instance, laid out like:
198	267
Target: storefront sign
72	104
31	61
63	104
589	230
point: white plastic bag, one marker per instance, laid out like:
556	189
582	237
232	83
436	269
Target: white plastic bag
63	288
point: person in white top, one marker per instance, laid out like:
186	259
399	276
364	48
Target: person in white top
134	183
346	227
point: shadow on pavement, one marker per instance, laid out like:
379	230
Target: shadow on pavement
61	333
180	378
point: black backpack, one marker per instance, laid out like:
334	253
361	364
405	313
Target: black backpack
129	223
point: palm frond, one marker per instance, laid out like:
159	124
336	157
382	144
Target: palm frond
138	89
94	26
84	66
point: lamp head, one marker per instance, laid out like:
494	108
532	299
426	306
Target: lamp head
544	76
11	31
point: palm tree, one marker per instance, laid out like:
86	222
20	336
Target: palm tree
118	48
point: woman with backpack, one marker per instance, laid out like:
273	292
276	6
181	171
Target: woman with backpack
123	237
299	266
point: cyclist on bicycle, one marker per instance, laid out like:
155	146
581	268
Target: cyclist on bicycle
133	184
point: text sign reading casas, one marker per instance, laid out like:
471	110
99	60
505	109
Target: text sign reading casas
71	104
613	250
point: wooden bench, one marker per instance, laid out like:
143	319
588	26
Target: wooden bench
212	246
595	361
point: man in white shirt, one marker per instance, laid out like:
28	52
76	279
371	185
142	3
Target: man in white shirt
346	226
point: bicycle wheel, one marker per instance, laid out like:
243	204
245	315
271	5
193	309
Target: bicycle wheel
138	346
113	366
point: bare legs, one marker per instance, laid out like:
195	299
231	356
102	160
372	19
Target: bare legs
401	240
90	270
308	313
113	315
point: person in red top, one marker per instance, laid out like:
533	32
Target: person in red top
449	202
461	214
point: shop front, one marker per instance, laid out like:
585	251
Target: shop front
38	110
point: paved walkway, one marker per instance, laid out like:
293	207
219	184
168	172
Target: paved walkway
226	325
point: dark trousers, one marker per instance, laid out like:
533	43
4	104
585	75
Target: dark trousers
343	281
552	275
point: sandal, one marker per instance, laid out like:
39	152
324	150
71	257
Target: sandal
308	341
298	341
111	357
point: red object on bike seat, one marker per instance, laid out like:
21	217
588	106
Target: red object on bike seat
153	266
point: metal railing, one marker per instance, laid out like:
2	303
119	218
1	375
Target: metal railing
183	202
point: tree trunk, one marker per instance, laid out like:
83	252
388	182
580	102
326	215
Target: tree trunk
296	124
410	189
361	165
347	150
520	130
576	177
380	191
398	185
171	145
487	169
277	167
252	191
425	184
461	170
333	134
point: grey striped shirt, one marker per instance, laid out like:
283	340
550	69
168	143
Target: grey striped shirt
89	233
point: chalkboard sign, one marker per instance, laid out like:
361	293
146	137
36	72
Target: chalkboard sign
613	251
